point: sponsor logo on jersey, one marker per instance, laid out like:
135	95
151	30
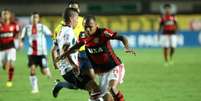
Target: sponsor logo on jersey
95	50
169	22
4	35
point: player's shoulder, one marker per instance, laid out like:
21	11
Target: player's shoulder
81	18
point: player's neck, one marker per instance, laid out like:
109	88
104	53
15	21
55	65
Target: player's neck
68	24
7	21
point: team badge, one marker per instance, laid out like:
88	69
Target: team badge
11	28
96	40
82	35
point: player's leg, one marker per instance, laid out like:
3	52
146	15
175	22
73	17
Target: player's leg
87	72
44	66
172	47
62	84
165	43
91	86
9	65
116	78
166	54
104	85
33	79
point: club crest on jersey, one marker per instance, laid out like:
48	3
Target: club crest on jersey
11	28
82	35
96	40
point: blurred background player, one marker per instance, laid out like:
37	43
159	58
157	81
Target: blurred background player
103	59
9	31
168	28
37	51
70	70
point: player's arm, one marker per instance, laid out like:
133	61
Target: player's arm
71	50
113	35
70	59
124	40
54	55
177	26
160	30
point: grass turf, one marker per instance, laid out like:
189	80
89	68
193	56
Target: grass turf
146	79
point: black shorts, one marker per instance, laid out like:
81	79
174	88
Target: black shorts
37	60
79	81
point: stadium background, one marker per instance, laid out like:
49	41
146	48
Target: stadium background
146	79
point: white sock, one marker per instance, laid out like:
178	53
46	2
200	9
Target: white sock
34	82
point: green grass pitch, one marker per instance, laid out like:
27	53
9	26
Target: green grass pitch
146	79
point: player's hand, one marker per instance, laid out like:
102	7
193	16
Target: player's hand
131	51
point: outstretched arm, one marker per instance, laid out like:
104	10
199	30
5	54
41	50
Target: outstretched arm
71	50
125	43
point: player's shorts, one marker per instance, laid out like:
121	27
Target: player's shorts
167	41
7	55
84	62
115	74
79	81
37	60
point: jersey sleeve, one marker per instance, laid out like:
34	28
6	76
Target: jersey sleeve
161	21
109	33
46	30
81	38
17	28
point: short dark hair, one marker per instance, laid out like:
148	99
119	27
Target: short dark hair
35	13
73	2
69	12
90	17
167	5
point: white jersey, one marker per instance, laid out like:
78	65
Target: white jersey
36	39
66	36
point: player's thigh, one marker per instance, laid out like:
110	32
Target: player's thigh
173	39
116	77
43	64
165	41
2	58
10	56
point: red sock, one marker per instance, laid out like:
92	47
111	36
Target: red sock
10	74
119	96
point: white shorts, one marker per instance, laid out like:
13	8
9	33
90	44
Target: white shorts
7	55
115	74
64	67
167	41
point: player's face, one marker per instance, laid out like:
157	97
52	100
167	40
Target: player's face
75	6
35	18
6	15
90	26
74	20
168	11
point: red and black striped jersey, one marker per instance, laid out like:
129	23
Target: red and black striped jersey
7	35
99	49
